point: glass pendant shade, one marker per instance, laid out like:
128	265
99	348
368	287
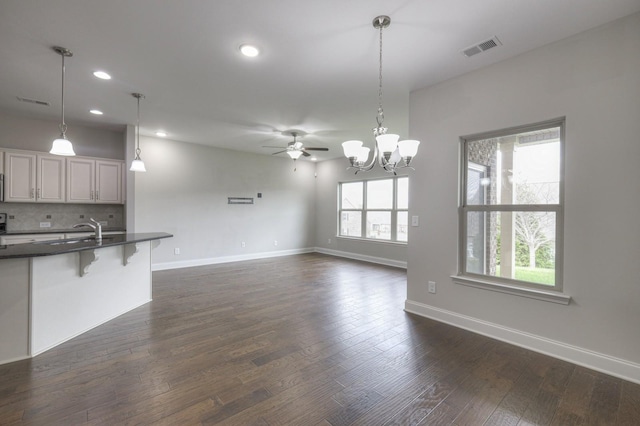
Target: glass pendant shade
62	146
138	166
294	154
351	148
408	148
395	157
387	143
363	154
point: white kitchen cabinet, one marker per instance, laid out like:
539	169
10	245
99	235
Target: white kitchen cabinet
94	181
108	182
81	175
34	177
20	178
50	178
7	240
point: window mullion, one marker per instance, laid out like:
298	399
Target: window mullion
365	210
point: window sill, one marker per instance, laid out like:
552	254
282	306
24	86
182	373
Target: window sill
532	293
371	240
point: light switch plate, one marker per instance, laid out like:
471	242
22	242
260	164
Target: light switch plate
415	221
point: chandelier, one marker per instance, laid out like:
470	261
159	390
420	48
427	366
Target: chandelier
390	153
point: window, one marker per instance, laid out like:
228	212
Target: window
511	207
375	209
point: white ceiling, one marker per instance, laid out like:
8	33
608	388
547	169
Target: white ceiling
317	73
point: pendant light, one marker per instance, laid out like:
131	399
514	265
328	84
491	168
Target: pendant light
62	146
137	165
388	152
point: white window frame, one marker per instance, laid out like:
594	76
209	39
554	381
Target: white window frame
394	210
501	284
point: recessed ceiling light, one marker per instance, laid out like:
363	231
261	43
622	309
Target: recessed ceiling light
249	50
161	134
95	111
102	75
314	159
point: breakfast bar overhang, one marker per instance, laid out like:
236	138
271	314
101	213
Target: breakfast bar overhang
53	291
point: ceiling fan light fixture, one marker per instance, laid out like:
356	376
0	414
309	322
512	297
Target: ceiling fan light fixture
294	154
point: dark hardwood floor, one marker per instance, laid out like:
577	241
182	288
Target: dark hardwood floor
299	340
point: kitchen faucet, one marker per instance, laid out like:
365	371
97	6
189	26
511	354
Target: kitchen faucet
93	224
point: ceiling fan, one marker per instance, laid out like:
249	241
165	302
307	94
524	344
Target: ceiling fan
294	148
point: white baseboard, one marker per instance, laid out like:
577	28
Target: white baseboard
617	367
227	259
363	257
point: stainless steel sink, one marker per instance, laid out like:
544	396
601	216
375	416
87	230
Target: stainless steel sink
72	241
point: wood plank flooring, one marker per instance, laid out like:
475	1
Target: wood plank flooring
299	340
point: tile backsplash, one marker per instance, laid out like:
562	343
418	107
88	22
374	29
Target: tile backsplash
28	216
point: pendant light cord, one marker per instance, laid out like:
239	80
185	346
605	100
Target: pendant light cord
63	125
138	130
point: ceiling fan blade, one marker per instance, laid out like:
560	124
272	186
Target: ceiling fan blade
316	149
279	152
305	153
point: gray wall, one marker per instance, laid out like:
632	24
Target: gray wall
330	173
185	190
37	135
594	80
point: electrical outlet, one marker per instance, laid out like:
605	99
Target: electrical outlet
432	286
243	244
329	241
103	223
176	251
45	224
275	242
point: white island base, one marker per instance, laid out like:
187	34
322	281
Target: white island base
48	300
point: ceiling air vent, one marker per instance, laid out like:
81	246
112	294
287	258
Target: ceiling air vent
33	101
481	47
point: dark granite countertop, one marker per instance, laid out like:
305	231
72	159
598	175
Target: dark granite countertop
51	248
63	231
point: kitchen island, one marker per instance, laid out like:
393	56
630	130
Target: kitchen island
52	291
